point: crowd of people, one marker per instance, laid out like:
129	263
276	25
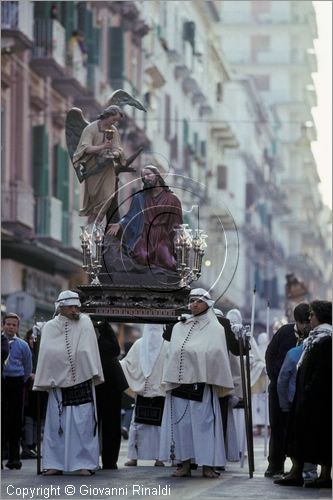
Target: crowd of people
299	366
185	381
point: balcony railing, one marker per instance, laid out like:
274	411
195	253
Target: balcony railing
49	41
16	19
17	205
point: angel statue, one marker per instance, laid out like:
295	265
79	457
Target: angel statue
97	154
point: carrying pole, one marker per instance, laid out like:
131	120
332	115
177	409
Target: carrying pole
245	400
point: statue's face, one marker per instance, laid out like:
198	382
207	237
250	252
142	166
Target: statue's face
149	179
112	119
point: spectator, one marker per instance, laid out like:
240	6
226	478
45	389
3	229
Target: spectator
310	426
17	369
284	339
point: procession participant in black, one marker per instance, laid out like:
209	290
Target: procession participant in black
108	395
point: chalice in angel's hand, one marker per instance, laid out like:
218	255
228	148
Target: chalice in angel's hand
108	136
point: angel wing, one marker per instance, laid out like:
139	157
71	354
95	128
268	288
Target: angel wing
75	123
120	98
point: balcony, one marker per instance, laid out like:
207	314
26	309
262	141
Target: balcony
16	25
49	218
49	49
17	205
155	71
311	59
221	131
74	230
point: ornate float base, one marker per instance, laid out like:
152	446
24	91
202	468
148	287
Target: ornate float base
133	303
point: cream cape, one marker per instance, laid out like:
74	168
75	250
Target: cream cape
61	365
152	340
203	357
131	365
99	188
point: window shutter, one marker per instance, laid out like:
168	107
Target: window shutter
189	33
222	177
42	10
95	56
167	117
40	159
62	192
67	16
116	54
185	132
76	201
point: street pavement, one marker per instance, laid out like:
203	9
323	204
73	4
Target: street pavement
128	483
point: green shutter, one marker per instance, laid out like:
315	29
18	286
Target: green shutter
67	17
62	192
40	160
185	132
196	141
42	10
62	177
76	201
116	54
96	46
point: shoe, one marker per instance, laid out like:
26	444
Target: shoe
111	466
124	433
289	481
52	472
310	475
131	463
159	463
192	466
319	483
209	472
273	472
86	472
27	453
183	471
13	465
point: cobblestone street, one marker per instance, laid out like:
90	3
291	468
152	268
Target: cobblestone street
130	482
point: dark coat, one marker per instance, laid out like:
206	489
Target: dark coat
310	427
109	351
283	340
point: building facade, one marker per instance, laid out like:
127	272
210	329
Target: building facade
228	122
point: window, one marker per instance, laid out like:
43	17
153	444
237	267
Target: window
189	33
250	194
259	44
167	117
222	172
263	82
3	141
260	7
219	92
116	56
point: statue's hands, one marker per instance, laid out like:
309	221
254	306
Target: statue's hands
107	144
113	229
